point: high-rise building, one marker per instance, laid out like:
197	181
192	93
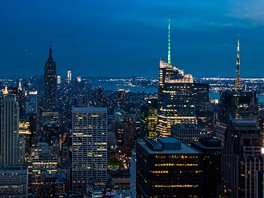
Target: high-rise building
69	76
129	133
119	126
239	130
41	162
176	103
50	84
178	96
237	104
168	168
13	182
211	149
89	148
32	102
121	98
11	148
242	158
188	133
148	119
58	80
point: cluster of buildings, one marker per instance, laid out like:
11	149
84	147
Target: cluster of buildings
65	138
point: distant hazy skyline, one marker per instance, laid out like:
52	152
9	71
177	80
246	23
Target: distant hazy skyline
128	38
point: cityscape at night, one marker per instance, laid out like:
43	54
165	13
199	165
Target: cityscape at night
131	99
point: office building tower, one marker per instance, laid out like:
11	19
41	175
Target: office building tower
89	148
168	168
21	99
235	104
133	171
201	95
69	76
260	182
178	96
242	158
13	182
119	126
101	99
129	133
206	119
211	149
32	102
188	133
11	147
59	80
148	119
121	98
41	163
50	84
176	101
26	134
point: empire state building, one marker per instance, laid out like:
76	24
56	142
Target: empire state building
50	84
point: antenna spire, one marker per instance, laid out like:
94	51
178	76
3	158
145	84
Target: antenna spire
238	82
169	49
50	50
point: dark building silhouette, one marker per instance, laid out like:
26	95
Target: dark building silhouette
129	133
243	158
50	84
238	128
211	149
168	168
237	104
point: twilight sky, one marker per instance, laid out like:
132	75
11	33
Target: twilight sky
127	38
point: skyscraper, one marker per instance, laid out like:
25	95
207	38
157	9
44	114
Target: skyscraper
168	168
148	119
11	150
211	149
243	158
176	103
50	84
178	96
89	147
237	126
69	76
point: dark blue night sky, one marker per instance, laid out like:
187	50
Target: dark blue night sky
127	38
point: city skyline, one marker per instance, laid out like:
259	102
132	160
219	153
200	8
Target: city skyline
115	38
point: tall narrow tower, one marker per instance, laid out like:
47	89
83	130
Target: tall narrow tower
169	49
238	82
50	84
10	154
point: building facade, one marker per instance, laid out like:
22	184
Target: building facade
11	148
168	168
212	150
89	148
50	84
176	99
148	119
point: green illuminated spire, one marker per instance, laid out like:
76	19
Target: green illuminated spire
169	50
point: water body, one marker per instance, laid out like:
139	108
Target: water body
214	95
115	86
